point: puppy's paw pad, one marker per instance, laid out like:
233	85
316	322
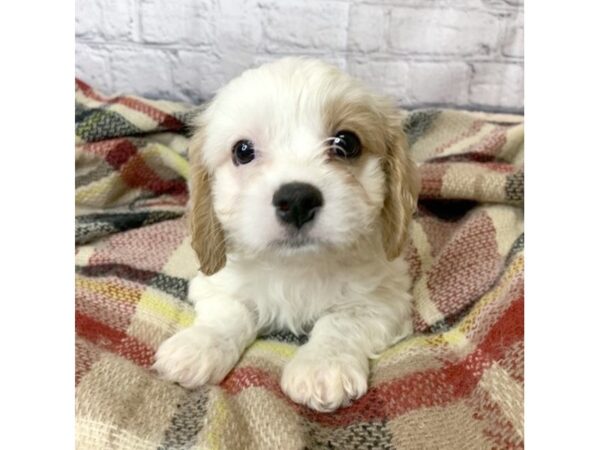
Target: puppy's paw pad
323	385
194	357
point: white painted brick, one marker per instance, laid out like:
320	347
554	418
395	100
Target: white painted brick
92	66
301	26
142	71
506	4
88	19
384	77
238	27
118	18
366	29
497	85
109	19
438	83
177	22
443	31
197	75
513	37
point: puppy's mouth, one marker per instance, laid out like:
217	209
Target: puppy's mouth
295	240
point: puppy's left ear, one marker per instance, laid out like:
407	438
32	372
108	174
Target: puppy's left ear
402	184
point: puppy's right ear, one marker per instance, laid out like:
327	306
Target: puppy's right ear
208	238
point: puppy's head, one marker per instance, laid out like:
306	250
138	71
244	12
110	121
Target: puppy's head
295	157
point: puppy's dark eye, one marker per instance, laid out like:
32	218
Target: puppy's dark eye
346	145
243	152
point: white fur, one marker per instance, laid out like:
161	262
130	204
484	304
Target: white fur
340	287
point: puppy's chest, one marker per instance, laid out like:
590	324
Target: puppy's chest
295	301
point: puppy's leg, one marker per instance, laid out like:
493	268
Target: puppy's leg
333	367
207	351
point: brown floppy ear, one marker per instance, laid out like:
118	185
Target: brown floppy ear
208	238
402	191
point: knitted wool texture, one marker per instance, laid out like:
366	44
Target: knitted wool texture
456	384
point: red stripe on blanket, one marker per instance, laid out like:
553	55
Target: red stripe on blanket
432	180
88	91
424	389
484	160
498	167
146	248
163	119
120	154
509	329
136	173
113	340
102	148
492	143
467	267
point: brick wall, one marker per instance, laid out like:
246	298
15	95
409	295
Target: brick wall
466	53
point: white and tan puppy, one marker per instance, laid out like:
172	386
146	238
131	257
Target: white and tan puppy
301	197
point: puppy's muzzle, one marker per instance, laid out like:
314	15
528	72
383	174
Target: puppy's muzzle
297	203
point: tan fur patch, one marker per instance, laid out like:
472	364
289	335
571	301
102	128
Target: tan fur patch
379	128
208	238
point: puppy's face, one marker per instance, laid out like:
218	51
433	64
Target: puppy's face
297	157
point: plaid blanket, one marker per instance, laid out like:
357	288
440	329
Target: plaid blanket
456	384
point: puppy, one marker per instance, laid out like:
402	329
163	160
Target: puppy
301	197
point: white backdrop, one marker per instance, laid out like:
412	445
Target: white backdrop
466	53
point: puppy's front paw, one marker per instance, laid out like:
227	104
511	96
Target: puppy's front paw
323	383
195	356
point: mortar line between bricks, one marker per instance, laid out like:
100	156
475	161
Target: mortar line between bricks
490	9
373	56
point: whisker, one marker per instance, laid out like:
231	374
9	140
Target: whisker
323	146
337	147
324	142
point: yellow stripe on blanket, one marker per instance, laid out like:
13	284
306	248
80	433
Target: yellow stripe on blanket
218	416
281	349
515	268
109	289
108	191
169	157
169	310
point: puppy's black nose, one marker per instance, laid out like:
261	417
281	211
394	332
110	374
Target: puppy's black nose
297	203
